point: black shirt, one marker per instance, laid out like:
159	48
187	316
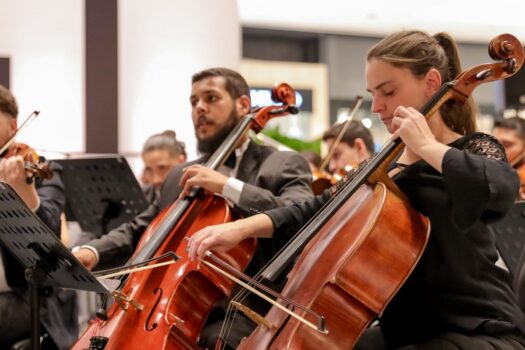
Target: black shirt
456	286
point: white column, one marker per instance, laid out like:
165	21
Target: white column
45	43
161	44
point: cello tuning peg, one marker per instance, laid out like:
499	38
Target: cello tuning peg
292	109
511	66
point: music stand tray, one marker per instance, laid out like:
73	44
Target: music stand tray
101	193
47	262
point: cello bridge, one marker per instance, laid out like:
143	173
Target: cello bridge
252	315
124	301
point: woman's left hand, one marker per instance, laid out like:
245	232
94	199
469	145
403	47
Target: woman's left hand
412	127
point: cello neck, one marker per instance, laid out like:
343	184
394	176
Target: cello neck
230	143
178	210
256	120
380	160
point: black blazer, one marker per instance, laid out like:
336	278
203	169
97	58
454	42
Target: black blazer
272	179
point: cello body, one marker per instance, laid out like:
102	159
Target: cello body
348	272
174	306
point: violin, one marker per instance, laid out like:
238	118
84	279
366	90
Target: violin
35	165
352	257
165	307
323	180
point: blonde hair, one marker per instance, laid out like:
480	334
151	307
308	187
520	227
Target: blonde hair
420	52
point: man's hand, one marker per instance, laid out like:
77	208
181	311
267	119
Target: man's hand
199	175
87	257
12	171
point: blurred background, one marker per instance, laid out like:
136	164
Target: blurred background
107	74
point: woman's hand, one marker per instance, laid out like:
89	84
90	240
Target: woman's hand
223	237
412	127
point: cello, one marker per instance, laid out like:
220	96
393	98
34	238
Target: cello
354	255
165	307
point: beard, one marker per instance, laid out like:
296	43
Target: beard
207	147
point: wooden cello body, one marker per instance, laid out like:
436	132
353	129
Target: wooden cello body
349	271
175	299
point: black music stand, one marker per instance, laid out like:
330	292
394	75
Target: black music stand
47	262
510	236
101	193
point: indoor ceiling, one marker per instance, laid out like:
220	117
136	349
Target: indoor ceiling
467	21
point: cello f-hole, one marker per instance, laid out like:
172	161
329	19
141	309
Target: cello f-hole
153	325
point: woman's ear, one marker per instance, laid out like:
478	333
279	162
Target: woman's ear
432	81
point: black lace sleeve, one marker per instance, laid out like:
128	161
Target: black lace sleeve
487	145
480	183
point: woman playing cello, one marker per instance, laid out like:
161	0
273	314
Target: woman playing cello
456	297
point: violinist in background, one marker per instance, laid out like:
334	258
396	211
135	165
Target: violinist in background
160	153
356	145
511	133
47	199
456	297
313	159
254	179
348	144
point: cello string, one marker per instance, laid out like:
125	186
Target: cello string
243	293
261	295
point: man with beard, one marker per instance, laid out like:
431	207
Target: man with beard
256	179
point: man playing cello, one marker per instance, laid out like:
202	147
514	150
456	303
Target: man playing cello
258	178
